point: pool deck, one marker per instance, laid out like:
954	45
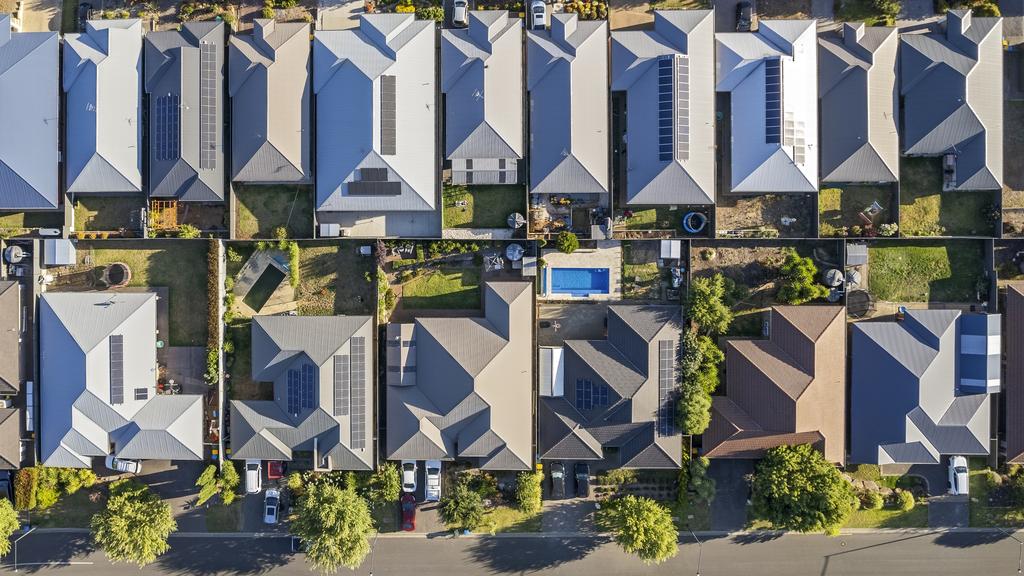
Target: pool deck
608	254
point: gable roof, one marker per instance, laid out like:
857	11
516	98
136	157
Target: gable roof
10	337
683	42
103	82
1013	386
10	439
269	74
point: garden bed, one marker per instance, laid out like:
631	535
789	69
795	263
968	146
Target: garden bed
989	504
767	215
109	213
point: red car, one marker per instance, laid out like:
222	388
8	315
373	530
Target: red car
408	512
275	470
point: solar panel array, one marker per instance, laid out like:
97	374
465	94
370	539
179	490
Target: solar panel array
167	123
682	107
773	101
373	174
388	123
208	81
673	107
665	115
116	342
307	394
357	396
341	385
666	387
292	391
589	394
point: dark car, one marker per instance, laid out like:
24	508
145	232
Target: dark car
745	17
408	512
582	473
83	14
557	481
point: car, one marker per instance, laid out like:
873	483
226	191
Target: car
408	512
958	481
275	470
582	473
557	481
432	491
271	502
460	14
253	476
408	475
83	15
123	465
745	17
5	485
538	14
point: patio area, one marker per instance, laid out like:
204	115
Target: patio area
551	214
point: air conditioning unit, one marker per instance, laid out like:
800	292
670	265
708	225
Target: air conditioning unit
7	403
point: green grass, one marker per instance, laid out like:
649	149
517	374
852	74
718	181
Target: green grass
640	280
241	385
179	265
322	292
107	213
508	519
486	206
839	207
652	219
74	511
982	514
700	510
385	517
860	11
18	220
221	518
925	210
443	289
926	271
889	518
261	209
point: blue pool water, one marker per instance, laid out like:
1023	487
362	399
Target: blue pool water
578	281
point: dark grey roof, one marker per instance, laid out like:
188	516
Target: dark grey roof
10	337
10	439
269	75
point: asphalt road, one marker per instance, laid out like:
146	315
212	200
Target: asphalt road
937	554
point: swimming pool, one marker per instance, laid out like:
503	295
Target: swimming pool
578	281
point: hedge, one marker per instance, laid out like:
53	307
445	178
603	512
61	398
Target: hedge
25	488
41	486
212	317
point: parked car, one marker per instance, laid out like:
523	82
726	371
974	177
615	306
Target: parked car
83	15
433	487
538	15
123	465
5	485
582	473
557	481
271	502
275	470
253	476
408	512
408	475
460	14
958	481
745	17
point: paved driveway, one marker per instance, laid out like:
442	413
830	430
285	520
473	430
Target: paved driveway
729	508
175	483
725	15
949	511
570	515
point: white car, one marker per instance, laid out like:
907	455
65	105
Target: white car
460	15
408	475
433	488
538	15
122	465
253	476
959	483
271	503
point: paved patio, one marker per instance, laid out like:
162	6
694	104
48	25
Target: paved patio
576	321
607	254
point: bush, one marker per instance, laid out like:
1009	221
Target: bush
699	481
795	488
293	264
872	501
799	284
435	13
233	255
618	477
188	231
528	491
462	508
212	375
888	229
25	486
707	307
905	501
385	484
484	484
567	242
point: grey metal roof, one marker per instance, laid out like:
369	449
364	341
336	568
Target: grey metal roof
348	67
10	439
269	81
567	78
482	79
689	177
29	150
103	82
952	87
10	337
265	430
78	419
473	384
859	104
181	166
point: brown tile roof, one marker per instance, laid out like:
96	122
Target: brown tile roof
776	365
734	434
1013	385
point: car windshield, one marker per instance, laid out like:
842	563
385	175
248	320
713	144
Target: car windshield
433	471
538	9
556	474
960	470
408	467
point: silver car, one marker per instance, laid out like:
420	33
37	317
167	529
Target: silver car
432	492
460	15
538	15
408	475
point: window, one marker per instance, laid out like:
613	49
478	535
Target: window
141	393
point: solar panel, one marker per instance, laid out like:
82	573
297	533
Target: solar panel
208	106
362	188
373	174
308	393
673	107
141	393
357	395
666	387
292	391
341	385
665	101
167	127
388	144
772	101
116	343
682	107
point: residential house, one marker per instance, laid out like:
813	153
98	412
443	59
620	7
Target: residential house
771	77
789	389
612	401
461	388
482	82
377	128
10	374
952	89
859	104
103	83
1013	385
269	81
98	383
29	91
322	372
920	386
184	83
667	77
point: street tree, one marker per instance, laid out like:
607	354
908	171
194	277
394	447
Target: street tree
8	524
645	528
335	525
135	525
795	488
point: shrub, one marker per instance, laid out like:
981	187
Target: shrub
528	491
905	501
462	508
212	375
435	13
25	486
233	255
281	235
799	284
567	242
872	501
293	264
618	477
268	13
707	308
702	484
888	229
188	231
385	484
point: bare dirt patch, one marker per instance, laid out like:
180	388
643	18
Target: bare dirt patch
791	215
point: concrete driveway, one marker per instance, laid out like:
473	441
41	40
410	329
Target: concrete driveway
729	508
175	483
569	515
949	511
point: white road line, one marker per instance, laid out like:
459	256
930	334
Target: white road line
20	564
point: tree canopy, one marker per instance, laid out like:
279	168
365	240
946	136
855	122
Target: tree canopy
795	488
799	282
335	525
645	528
698	369
707	308
462	507
385	484
8	525
135	525
567	242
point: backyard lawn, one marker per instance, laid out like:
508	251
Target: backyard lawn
486	206
443	289
839	207
261	209
108	213
240	383
640	281
925	210
17	220
321	292
859	11
925	272
652	219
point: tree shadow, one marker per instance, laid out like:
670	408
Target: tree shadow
758	537
956	539
210	556
531	554
52	548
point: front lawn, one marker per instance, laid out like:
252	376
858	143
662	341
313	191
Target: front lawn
509	519
262	209
443	289
221	518
72	511
108	213
917	517
982	513
925	210
484	206
839	208
950	271
694	515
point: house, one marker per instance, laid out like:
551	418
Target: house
920	386
789	389
29	150
567	80
377	127
1013	386
952	89
461	388
322	372
10	373
859	104
613	401
667	78
184	84
268	75
771	77
482	82
103	83
98	383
